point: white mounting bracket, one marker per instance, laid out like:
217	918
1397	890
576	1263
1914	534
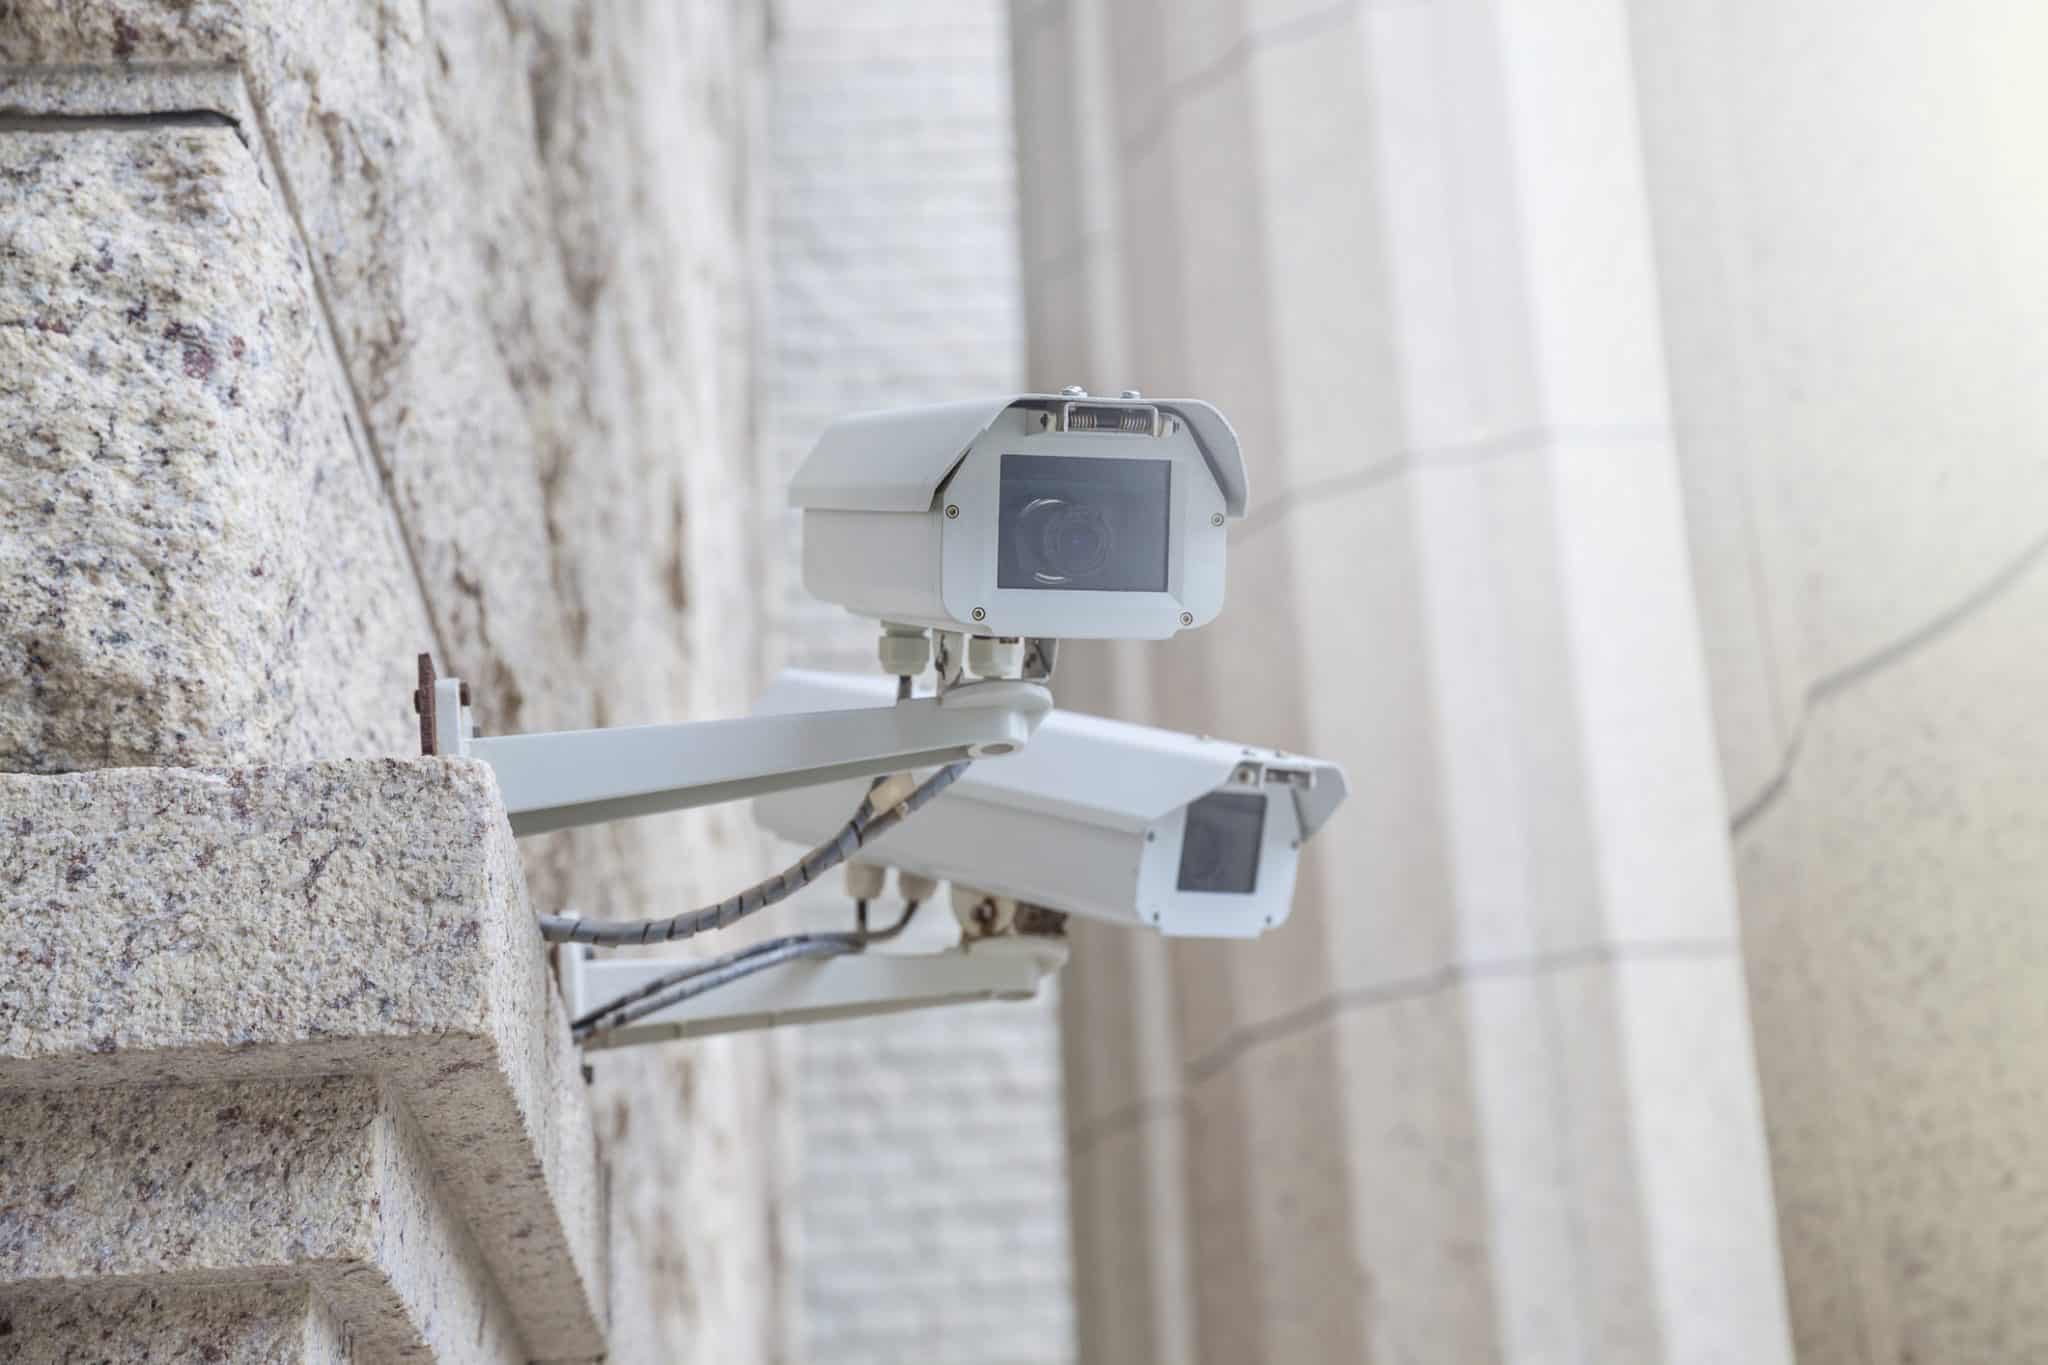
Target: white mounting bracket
584	777
812	990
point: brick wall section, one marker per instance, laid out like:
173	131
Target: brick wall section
933	1190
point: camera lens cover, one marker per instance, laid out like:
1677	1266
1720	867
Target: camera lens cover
1219	848
1084	522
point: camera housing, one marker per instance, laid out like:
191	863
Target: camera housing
1124	823
1056	516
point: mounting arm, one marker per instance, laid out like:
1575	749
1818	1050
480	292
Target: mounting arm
1008	967
584	777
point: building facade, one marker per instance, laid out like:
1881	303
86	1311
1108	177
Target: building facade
1640	407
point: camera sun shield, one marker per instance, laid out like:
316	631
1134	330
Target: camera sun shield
1040	515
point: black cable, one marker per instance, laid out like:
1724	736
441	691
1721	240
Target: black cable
867	824
856	939
699	977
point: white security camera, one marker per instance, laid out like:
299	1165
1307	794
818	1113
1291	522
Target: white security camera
1039	515
1124	823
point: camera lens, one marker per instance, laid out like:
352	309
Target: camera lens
1201	856
1093	523
1219	849
1072	539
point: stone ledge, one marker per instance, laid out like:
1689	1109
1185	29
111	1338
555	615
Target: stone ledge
323	1184
250	1324
363	917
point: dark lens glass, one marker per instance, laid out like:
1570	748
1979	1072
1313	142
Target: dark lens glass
1219	849
1076	521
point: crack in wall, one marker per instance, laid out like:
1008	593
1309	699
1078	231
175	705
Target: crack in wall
1460	455
1839	680
1237	1042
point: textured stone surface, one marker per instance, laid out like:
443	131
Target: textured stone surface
529	230
195	564
1897	947
322	1182
1852	302
253	1324
352	916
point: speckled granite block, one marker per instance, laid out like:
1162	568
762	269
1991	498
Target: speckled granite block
529	228
249	1324
321	1182
196	565
361	917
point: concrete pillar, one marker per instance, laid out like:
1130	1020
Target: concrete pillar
1490	1096
1852	240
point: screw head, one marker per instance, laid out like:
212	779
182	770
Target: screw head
952	511
1215	518
1073	391
980	615
1187	618
1130	393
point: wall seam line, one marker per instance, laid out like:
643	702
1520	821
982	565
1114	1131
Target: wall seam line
1237	57
1839	680
387	482
1431	459
1419	987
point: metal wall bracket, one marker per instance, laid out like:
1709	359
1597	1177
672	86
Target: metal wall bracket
804	992
582	777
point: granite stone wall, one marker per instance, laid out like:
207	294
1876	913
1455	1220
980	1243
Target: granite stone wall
330	334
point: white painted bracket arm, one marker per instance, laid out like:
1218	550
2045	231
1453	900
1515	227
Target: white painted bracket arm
583	777
804	992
